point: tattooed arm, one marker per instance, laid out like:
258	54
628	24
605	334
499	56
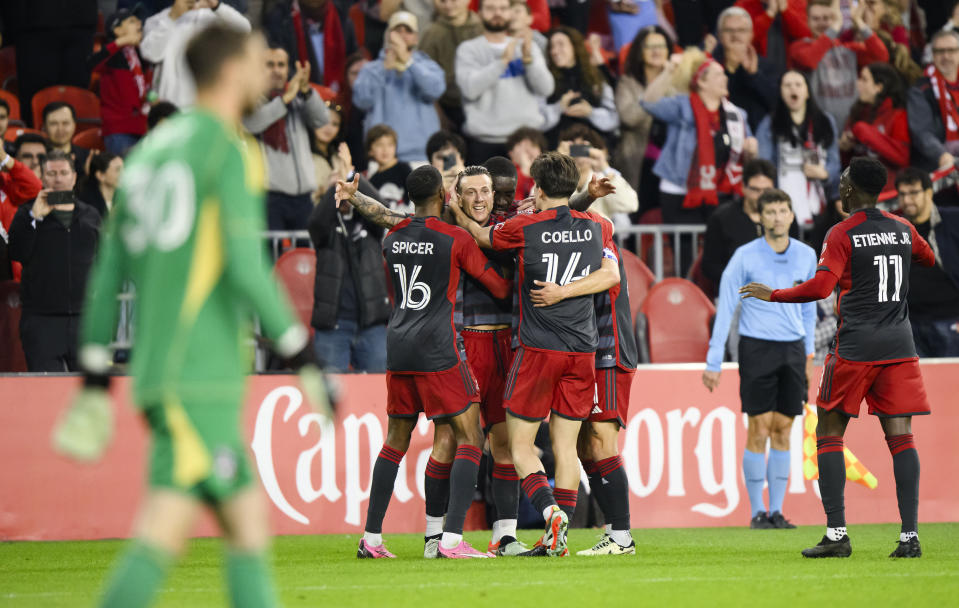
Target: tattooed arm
367	206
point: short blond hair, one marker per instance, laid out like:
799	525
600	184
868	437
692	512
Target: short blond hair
693	58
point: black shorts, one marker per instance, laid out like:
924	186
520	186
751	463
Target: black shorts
772	376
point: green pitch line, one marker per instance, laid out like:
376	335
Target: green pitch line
709	567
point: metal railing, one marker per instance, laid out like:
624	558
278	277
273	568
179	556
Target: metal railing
279	241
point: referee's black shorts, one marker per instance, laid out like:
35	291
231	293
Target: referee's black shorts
772	376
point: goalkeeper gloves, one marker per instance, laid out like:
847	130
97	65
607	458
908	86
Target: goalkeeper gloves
85	430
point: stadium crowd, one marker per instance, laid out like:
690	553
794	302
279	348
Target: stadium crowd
690	119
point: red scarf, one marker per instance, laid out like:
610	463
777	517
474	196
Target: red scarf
133	62
703	181
947	102
275	134
334	45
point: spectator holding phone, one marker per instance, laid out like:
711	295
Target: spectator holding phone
801	141
447	151
55	238
581	94
588	149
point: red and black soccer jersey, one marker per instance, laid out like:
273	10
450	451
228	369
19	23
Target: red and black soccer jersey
424	257
479	306
870	253
558	245
614	322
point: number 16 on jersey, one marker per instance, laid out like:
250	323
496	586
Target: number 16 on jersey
415	296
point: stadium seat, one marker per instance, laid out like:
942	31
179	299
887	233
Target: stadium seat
86	104
674	322
296	269
14	102
92	139
639	278
11	353
15	132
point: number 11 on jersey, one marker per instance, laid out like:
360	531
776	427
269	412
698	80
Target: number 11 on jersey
883	262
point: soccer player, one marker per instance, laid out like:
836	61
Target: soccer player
487	341
553	368
776	349
873	355
187	231
427	368
598	445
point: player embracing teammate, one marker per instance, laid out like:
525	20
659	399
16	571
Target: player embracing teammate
553	371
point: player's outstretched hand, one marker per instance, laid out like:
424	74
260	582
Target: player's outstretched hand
547	294
86	428
758	291
710	380
321	391
527	205
600	187
346	190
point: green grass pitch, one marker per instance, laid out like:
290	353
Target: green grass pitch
673	567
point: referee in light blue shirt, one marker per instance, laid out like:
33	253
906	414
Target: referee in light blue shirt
776	347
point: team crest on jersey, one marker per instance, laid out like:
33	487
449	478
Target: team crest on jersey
499	225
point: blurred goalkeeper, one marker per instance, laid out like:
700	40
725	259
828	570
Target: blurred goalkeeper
186	232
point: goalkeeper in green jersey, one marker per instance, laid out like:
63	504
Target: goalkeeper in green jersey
186	231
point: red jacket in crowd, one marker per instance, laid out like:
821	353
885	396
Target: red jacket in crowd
124	83
805	54
887	135
17	186
794	22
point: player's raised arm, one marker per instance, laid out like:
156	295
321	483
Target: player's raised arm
367	206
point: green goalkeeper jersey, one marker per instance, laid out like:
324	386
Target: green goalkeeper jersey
186	230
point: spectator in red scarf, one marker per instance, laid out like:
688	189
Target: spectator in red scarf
124	82
18	184
877	124
316	34
933	103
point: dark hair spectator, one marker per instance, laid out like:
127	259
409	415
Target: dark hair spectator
316	16
60	125
523	146
29	149
501	86
642	136
100	186
331	155
160	112
18	184
353	117
588	149
801	140
124	81
446	151
877	123
55	241
390	175
581	94
350	301
933	295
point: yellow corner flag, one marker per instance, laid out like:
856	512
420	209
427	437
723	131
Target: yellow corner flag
855	470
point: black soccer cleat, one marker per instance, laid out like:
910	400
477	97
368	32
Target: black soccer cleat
830	548
536	551
761	522
779	522
910	548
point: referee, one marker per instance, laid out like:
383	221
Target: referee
775	351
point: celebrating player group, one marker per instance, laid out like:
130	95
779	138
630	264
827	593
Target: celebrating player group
504	314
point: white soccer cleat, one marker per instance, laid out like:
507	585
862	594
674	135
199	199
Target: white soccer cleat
607	546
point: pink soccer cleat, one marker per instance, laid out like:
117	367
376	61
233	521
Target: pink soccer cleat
368	551
461	551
